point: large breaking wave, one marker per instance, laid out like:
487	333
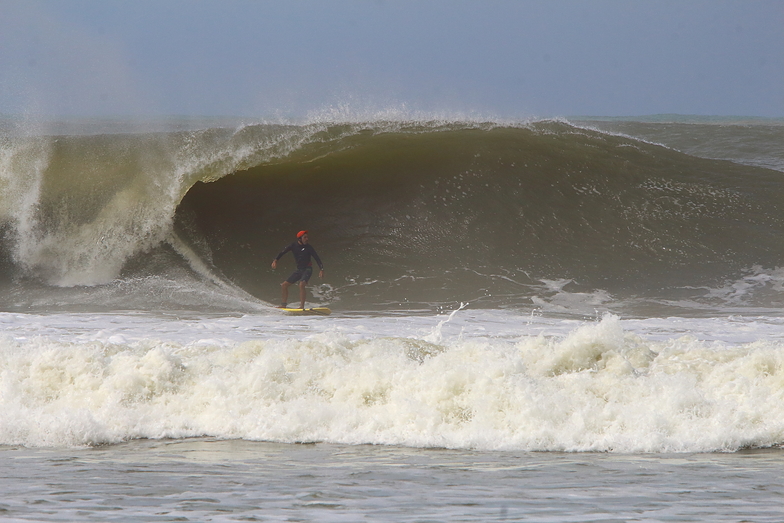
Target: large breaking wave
404	214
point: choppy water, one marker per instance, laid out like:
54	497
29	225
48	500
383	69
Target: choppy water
207	480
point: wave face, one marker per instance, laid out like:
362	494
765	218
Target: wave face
404	215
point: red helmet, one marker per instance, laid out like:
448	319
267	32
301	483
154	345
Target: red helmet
300	234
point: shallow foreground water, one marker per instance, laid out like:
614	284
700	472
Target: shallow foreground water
204	479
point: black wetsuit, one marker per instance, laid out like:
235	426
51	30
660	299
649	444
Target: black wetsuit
302	254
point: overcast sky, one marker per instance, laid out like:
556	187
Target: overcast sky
507	59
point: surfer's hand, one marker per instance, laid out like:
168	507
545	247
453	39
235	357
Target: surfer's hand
274	264
321	273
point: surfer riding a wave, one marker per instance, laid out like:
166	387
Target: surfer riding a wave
302	251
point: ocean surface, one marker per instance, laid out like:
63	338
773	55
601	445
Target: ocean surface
552	320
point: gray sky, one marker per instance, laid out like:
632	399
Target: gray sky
506	59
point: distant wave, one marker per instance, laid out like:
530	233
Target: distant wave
745	140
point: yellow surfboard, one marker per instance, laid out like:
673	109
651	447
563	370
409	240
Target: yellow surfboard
315	311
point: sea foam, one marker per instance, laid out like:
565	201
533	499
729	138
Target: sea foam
599	387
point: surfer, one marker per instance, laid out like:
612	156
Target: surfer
302	251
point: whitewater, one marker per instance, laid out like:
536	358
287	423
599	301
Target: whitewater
553	320
481	380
